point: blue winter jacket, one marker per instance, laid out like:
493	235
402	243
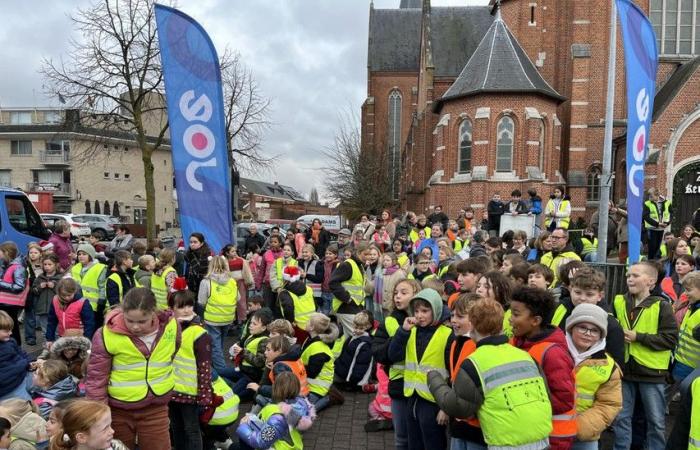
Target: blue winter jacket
14	363
46	398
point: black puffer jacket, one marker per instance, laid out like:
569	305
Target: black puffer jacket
197	262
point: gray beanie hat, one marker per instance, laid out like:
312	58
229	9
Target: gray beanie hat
589	313
87	248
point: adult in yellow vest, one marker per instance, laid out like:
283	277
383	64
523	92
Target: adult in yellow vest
562	252
651	332
295	302
317	356
686	427
557	213
598	379
489	380
423	342
218	295
131	368
347	285
193	385
657	217
92	277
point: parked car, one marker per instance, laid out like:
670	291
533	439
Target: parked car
19	220
77	229
102	224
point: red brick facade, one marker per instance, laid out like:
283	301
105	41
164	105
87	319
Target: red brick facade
568	42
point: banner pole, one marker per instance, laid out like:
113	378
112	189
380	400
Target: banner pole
606	175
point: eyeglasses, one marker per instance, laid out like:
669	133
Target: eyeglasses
558	237
594	332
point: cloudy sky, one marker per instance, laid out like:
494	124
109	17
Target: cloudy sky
308	56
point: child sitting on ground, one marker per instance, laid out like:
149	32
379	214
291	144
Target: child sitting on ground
69	314
28	430
255	303
74	352
278	424
317	356
14	361
280	356
52	383
249	354
54	422
353	367
84	426
5	438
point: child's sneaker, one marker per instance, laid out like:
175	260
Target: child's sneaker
223	445
369	388
378	425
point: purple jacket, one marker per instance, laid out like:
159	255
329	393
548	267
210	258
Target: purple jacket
62	248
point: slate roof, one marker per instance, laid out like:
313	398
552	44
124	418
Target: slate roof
499	65
394	38
672	87
410	4
272	190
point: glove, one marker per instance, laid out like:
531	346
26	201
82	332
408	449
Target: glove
207	412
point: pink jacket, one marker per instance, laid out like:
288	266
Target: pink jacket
62	248
100	364
268	261
382	402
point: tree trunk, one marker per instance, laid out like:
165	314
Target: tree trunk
148	170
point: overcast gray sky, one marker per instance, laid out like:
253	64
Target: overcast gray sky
308	56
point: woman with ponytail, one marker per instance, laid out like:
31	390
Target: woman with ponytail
86	425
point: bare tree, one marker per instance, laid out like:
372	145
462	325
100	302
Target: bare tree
355	179
115	71
247	115
313	197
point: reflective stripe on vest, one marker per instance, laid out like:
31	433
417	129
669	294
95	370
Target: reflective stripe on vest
298	369
221	306
647	321
88	282
355	286
694	435
588	379
688	349
563	221
304	306
516	412
558	316
227	412
118	281
293	441
415	376
185	362
654	212
251	346
323	381
563	425
132	373
160	287
396	369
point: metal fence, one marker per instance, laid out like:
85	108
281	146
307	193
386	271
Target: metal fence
615	279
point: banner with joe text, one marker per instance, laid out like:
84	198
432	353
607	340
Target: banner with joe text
197	128
641	60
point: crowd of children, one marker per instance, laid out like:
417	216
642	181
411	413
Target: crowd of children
465	341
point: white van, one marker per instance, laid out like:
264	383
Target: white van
330	223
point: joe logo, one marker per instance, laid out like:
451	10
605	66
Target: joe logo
198	139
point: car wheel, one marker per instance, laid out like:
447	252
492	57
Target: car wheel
101	234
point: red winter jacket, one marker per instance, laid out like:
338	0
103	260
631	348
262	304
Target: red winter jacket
558	368
68	316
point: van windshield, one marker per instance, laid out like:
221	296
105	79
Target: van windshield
23	216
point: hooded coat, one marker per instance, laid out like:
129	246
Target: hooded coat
14	363
27	431
75	364
45	398
101	361
316	362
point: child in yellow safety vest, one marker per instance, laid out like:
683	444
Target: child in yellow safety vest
317	356
277	269
163	277
296	301
121	278
249	354
423	342
687	353
651	333
598	378
278	423
92	277
131	369
218	296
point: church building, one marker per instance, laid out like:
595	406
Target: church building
467	101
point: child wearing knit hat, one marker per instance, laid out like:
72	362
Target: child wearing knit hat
598	378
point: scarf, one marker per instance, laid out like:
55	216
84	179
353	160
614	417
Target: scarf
391	270
315	232
579	357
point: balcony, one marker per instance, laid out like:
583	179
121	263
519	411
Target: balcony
55	157
58	189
